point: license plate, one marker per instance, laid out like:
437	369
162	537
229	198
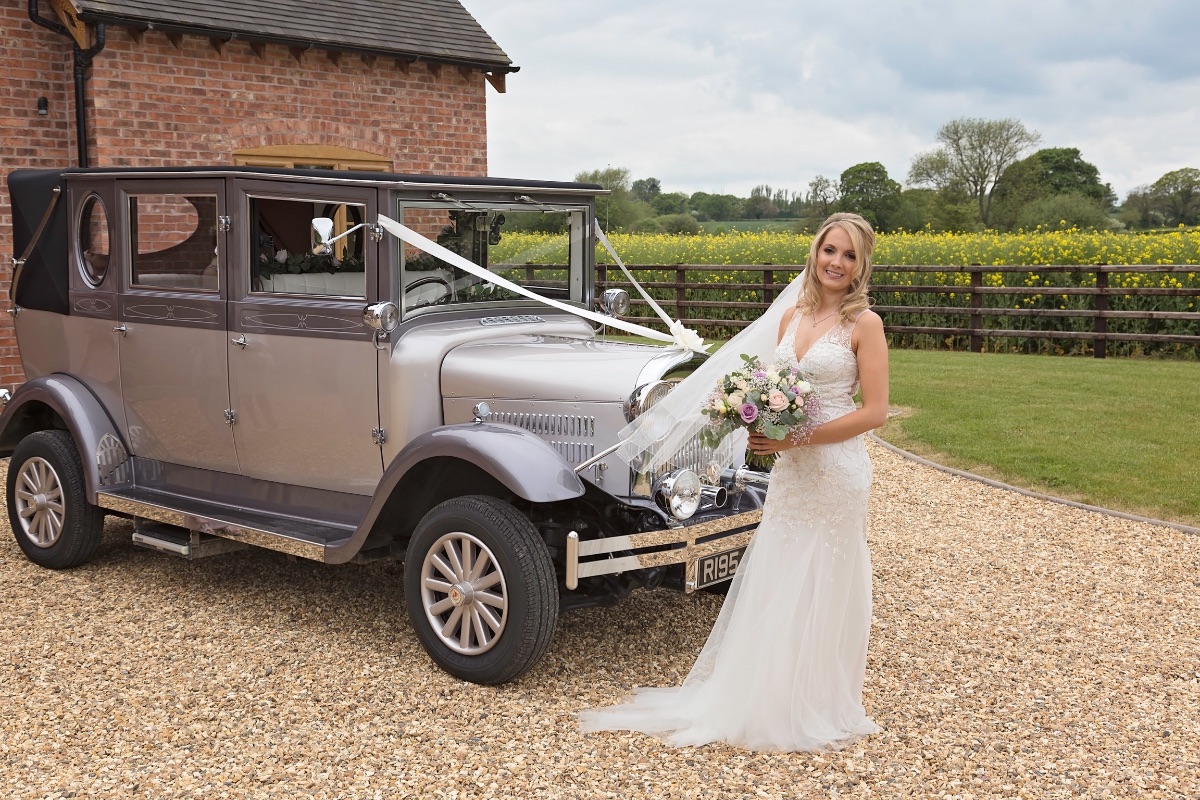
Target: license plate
717	567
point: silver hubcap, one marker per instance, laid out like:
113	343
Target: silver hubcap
39	502
464	595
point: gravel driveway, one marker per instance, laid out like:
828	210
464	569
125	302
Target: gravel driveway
1020	649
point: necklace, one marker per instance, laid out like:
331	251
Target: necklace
817	322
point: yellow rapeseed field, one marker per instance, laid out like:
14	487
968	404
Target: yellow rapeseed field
655	258
1032	248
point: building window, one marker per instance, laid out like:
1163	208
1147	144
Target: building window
311	155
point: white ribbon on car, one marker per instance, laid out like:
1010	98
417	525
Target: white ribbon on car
684	338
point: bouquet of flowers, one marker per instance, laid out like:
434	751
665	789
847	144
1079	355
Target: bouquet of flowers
769	399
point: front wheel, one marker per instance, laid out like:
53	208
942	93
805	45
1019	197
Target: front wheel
51	518
480	589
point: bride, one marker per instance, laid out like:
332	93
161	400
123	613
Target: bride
783	667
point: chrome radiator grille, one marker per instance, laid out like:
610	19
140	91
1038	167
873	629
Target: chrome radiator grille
693	456
555	428
549	424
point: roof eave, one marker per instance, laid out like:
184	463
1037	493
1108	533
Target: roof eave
495	67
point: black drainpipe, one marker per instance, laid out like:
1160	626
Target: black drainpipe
82	59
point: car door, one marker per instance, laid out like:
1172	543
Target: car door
302	363
171	322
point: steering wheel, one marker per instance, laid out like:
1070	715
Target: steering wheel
425	281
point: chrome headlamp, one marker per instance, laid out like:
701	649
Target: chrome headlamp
645	396
678	493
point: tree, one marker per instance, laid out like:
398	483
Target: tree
1062	170
715	206
618	209
670	203
914	210
1178	195
646	189
679	223
952	208
787	201
1020	185
974	153
822	195
866	189
1066	210
1140	209
1048	173
759	205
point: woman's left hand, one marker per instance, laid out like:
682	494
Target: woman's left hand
762	446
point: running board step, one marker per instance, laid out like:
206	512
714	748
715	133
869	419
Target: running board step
296	537
180	541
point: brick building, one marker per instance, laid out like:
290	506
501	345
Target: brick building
396	86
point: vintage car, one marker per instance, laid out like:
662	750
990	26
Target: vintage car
237	357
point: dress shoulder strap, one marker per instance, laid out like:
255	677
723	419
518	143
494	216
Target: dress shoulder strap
843	331
789	333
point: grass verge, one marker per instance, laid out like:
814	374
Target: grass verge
1117	433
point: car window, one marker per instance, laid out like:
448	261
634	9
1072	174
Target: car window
282	257
540	249
174	240
93	240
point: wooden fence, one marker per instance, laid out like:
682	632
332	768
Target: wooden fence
963	313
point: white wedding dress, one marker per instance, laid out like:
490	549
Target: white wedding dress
783	667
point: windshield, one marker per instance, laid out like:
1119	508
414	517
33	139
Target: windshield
539	247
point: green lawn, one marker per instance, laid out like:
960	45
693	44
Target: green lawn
1117	433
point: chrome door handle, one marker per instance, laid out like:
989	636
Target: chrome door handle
240	341
121	329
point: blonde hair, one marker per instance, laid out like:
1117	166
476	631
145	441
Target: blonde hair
862	236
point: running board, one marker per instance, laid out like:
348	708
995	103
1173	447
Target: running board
296	537
181	542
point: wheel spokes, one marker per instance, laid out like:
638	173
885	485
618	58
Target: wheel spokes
463	593
39	502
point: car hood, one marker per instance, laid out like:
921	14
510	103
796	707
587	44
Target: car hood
558	368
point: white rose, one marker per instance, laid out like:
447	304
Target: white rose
686	338
281	256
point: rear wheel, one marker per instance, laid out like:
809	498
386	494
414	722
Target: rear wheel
480	589
52	520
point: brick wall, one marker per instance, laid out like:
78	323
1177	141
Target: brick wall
157	103
34	63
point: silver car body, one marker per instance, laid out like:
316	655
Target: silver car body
218	380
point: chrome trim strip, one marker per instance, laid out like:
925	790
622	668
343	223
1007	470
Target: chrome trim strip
597	458
733	528
572	578
269	540
155	543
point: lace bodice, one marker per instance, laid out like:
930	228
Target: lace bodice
829	365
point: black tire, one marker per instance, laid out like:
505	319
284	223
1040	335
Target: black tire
51	518
511	596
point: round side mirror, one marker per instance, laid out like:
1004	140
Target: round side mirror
615	302
382	317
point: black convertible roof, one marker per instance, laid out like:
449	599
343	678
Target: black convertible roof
341	175
44	281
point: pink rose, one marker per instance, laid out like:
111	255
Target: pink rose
748	412
777	400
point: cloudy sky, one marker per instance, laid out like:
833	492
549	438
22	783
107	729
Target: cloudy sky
720	96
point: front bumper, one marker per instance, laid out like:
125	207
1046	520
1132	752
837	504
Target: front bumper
595	556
